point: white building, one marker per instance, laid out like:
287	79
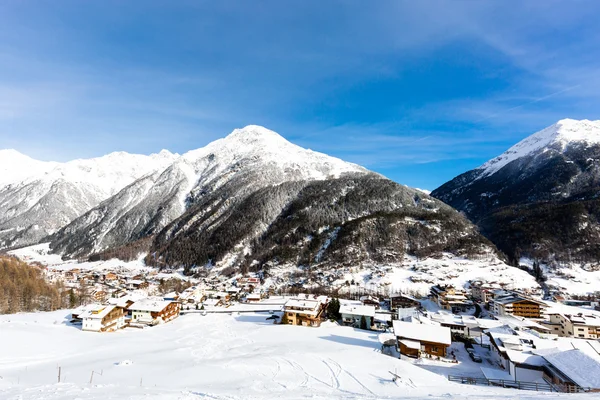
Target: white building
154	311
107	318
352	314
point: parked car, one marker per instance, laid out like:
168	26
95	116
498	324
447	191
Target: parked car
475	357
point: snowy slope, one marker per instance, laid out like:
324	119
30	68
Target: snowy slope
557	136
540	199
246	160
15	167
53	194
217	356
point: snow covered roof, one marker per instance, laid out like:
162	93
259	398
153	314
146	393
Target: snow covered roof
527	358
411	344
98	312
367	311
579	367
149	304
310	307
383	316
422	332
122	301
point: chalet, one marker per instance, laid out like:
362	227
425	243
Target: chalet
415	339
171	296
450	298
352	315
151	311
578	326
369	300
110	276
573	371
303	312
212	302
99	295
398	301
107	318
135	284
518	305
482	291
253	298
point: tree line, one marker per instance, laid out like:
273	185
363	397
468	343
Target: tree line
23	289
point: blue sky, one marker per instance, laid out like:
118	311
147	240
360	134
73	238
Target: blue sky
420	91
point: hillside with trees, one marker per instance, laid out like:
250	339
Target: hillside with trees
23	289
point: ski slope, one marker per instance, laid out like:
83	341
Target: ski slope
217	356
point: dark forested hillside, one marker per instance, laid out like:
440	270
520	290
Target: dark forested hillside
342	221
543	200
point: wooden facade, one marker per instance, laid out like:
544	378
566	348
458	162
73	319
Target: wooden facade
430	348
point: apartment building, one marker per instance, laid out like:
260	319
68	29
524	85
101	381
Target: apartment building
577	326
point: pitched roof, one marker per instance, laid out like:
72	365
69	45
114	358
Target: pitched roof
422	332
98	313
367	311
579	367
149	304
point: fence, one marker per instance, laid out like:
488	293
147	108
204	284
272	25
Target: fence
544	387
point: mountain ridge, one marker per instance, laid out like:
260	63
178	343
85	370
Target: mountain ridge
513	196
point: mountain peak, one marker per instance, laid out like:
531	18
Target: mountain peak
558	135
254	133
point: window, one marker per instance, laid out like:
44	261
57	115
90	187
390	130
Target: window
434	349
581	335
580	329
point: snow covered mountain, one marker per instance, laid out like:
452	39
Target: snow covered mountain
254	200
37	198
247	160
540	197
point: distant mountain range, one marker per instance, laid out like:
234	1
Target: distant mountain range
253	200
250	199
539	199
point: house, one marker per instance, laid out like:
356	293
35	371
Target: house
517	305
482	291
303	312
99	295
573	371
110	276
152	311
369	300
253	298
107	318
353	315
212	302
579	326
398	301
134	284
450	298
415	339
171	296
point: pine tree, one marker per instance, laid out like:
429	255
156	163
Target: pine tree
363	323
72	299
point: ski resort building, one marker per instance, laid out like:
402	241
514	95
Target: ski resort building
415	339
577	326
519	306
103	319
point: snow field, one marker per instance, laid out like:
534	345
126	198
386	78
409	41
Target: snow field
214	356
